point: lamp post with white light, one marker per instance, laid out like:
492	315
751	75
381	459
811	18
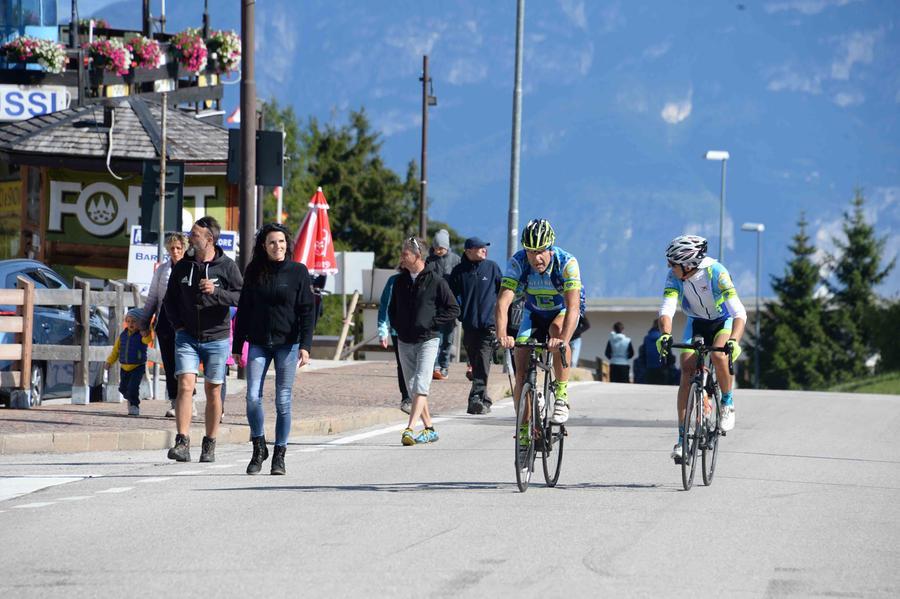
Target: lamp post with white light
722	156
757	228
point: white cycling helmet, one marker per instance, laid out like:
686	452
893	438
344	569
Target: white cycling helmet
686	251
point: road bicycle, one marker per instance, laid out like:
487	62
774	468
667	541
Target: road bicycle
538	434
702	418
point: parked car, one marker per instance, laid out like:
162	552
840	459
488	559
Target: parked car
53	325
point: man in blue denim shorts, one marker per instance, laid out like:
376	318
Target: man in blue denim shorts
202	288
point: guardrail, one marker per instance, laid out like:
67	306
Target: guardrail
122	296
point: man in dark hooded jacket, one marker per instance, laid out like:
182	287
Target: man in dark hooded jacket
202	289
475	282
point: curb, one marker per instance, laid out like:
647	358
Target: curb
63	442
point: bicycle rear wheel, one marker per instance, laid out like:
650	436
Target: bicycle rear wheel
525	441
711	449
552	439
690	442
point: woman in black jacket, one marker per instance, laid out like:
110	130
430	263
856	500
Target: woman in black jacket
276	317
421	306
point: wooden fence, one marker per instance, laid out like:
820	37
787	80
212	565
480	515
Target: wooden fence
122	296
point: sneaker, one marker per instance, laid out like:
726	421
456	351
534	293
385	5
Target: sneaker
208	452
407	437
406	405
475	407
486	406
170	413
727	418
560	412
445	373
676	453
181	451
428	435
134	410
437	375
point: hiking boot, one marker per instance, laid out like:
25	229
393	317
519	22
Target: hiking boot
428	435
260	454
181	451
407	437
475	407
278	460
406	405
208	451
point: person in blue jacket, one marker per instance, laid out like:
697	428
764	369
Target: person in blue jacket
386	332
475	282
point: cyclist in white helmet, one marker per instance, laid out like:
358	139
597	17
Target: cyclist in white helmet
703	287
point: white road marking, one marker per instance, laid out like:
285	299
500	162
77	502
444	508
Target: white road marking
381	431
75	498
116	490
157	479
16	486
32	505
187	472
223	466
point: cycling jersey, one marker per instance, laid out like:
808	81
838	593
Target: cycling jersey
708	294
544	291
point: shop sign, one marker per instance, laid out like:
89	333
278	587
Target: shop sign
103	209
21	102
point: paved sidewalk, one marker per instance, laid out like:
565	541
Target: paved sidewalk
326	401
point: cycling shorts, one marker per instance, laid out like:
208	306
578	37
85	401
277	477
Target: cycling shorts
536	325
708	329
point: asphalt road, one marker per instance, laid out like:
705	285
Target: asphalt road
806	502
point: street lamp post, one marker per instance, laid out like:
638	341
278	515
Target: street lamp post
757	228
722	156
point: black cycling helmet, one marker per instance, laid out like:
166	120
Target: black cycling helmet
538	235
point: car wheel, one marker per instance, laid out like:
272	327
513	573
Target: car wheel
36	385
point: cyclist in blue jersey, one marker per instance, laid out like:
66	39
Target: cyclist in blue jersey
554	304
708	298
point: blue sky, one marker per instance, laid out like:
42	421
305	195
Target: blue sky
621	100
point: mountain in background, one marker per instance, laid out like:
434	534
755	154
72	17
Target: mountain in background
620	103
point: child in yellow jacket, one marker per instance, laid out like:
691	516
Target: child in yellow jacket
130	350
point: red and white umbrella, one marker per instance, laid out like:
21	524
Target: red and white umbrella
314	246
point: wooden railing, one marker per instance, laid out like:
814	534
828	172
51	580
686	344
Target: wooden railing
122	296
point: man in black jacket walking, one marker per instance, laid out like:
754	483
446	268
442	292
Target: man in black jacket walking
421	306
475	282
202	288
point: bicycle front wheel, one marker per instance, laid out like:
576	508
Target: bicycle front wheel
711	448
690	442
525	438
552	439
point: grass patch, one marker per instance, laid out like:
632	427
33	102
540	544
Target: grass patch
887	384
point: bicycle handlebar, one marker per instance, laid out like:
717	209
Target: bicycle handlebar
534	344
701	348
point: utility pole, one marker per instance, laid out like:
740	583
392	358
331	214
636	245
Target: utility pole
161	238
261	191
428	99
73	27
147	19
247	212
513	220
205	19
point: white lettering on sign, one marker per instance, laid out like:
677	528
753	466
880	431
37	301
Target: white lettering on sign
102	209
21	102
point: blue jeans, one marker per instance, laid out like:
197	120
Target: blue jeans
189	353
258	359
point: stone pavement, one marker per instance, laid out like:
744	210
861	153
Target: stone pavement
326	401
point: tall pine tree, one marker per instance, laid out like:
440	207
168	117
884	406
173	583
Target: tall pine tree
857	271
796	351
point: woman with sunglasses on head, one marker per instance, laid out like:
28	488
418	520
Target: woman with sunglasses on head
421	306
276	317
